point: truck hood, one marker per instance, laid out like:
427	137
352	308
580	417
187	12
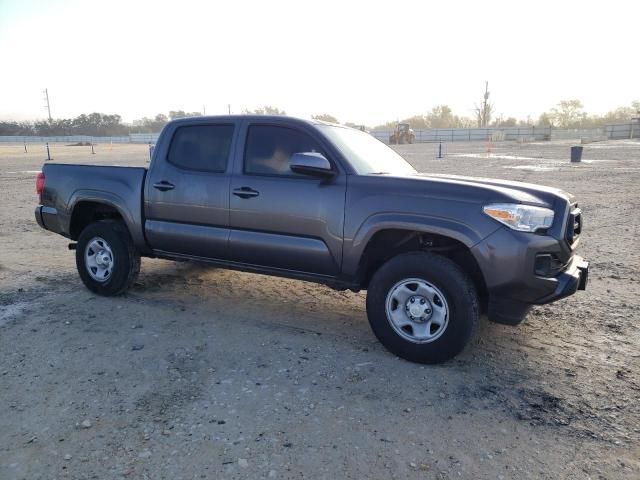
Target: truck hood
521	191
451	199
476	190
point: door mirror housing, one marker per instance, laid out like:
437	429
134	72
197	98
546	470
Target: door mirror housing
310	163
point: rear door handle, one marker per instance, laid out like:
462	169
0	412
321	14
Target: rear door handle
163	186
245	192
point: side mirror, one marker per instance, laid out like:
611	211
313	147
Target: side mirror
310	163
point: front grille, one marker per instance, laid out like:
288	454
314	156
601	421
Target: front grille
574	225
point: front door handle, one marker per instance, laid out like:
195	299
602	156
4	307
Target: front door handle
245	192
163	186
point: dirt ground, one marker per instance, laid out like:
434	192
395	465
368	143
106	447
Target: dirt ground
203	373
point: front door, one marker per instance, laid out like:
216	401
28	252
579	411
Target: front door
279	218
187	194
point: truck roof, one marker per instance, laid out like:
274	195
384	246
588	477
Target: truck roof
252	117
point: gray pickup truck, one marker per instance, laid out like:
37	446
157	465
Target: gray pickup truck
329	204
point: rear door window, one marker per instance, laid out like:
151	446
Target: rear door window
203	148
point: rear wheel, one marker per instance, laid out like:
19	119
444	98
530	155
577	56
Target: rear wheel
422	307
106	258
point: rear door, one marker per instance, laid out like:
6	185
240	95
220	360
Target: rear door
187	193
278	218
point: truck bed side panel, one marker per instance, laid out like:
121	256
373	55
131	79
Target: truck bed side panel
120	187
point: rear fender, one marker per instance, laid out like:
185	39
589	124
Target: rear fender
133	220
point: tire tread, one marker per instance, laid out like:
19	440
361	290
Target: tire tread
132	257
437	351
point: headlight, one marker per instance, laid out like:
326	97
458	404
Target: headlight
524	218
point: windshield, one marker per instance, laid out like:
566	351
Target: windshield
366	154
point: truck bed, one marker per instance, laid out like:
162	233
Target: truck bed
120	187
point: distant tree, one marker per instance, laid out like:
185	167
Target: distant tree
159	122
505	122
466	122
325	117
386	126
416	122
266	110
442	117
568	114
545	120
16	128
620	114
173	114
96	124
149	125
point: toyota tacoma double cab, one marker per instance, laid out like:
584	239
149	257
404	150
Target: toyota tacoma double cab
324	203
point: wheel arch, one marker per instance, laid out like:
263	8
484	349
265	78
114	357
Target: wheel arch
86	212
386	243
88	206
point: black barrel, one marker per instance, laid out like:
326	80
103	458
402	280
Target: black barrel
576	154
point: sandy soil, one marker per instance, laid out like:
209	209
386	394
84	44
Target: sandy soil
205	373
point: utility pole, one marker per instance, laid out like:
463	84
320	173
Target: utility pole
484	110
204	110
485	120
229	108
48	105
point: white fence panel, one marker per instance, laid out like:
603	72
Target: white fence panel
69	139
614	132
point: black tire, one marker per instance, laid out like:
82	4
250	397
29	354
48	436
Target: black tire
126	259
460	294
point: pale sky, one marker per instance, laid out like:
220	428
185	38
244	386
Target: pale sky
365	62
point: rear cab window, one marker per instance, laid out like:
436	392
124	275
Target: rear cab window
203	148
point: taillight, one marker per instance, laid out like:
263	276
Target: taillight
40	185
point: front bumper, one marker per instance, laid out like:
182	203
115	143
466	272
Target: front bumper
574	278
507	260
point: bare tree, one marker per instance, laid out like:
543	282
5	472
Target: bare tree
485	109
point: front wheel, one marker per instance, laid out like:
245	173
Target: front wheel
422	307
106	258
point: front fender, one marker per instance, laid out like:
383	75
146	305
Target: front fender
447	227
